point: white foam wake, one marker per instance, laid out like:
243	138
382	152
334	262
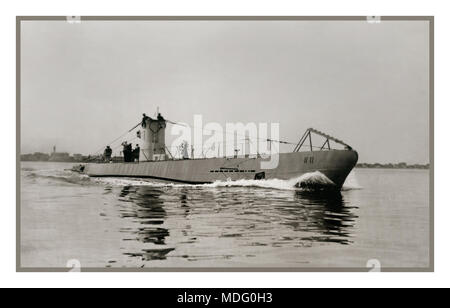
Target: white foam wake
315	177
134	182
309	178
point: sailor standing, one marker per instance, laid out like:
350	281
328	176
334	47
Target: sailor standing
127	152
107	153
144	119
136	152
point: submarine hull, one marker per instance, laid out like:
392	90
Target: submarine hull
334	164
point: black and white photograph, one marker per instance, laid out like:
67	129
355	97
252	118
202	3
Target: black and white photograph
225	144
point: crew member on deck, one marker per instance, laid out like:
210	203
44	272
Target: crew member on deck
136	152
124	151
130	152
144	119
127	152
107	153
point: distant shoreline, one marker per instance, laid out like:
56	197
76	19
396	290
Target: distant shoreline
392	166
70	159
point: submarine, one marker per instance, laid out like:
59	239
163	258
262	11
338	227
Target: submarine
156	162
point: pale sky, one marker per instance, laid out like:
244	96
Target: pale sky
83	85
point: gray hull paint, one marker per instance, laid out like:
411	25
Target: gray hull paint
335	164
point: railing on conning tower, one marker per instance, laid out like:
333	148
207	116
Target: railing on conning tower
307	136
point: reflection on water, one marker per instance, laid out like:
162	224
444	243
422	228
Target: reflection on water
136	223
249	217
328	216
146	208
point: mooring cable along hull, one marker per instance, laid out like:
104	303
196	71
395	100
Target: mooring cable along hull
333	164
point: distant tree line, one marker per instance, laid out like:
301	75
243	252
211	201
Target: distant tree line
393	166
35	157
65	157
55	157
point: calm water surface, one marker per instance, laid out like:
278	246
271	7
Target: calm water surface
381	214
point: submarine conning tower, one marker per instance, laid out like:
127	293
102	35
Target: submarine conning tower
153	138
